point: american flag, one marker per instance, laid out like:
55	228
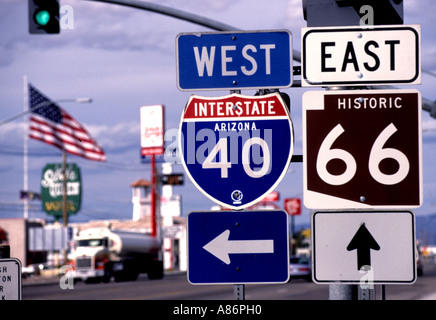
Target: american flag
53	125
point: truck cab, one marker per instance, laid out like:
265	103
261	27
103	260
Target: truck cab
91	258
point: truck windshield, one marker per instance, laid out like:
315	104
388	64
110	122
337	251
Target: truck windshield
91	243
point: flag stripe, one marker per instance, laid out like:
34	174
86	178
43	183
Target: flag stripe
41	132
69	149
70	135
43	126
51	124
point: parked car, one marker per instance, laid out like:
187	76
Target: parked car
300	268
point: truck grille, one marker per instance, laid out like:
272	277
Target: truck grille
83	262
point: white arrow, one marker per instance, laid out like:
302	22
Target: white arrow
221	246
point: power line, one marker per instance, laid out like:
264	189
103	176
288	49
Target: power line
20	153
12	151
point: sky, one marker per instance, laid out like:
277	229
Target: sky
124	58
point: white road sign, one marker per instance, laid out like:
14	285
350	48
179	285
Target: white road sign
364	247
358	55
10	279
152	129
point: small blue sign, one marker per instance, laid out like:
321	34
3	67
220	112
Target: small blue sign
237	247
234	60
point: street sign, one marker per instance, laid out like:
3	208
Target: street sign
364	247
238	247
361	55
271	197
174	179
293	206
234	60
10	279
236	149
170	154
362	149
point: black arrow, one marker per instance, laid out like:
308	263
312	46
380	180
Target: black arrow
363	241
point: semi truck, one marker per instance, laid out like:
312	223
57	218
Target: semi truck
101	253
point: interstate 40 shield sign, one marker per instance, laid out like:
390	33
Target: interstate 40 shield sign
362	149
236	148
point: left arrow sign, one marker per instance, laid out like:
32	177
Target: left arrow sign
221	246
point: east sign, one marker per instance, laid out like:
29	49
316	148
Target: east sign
362	149
358	55
236	148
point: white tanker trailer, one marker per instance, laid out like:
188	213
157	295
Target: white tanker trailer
101	253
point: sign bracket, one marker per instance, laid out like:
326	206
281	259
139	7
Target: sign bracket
366	293
239	291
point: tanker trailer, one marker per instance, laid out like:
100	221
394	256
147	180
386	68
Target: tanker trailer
101	253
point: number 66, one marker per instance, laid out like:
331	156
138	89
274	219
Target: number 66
377	154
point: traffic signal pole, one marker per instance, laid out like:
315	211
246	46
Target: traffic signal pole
182	15
172	12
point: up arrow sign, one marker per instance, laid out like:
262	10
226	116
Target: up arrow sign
221	246
363	242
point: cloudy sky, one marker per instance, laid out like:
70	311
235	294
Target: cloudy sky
124	58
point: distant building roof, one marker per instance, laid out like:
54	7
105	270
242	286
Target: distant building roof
140	183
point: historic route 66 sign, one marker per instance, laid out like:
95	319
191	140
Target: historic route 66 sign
362	149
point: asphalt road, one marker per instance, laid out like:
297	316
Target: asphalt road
176	287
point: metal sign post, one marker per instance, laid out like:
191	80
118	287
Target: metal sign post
239	291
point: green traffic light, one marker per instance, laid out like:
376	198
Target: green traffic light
42	17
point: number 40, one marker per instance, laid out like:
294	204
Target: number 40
377	154
224	164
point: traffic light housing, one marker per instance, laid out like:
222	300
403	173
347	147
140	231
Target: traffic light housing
323	13
44	16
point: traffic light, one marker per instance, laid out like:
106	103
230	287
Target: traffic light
43	16
323	13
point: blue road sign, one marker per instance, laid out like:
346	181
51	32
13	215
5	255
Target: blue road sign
236	149
234	60
238	247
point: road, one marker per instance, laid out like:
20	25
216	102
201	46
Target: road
176	287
